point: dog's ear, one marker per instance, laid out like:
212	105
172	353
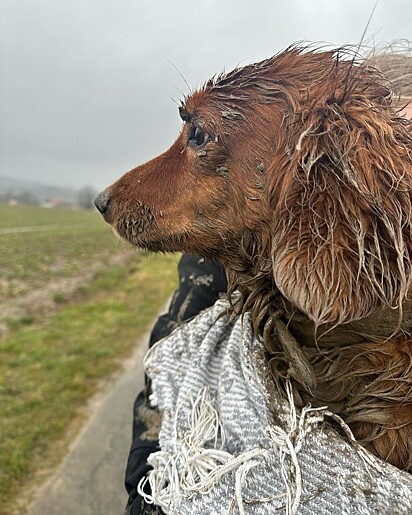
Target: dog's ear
341	199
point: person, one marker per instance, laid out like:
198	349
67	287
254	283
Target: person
201	283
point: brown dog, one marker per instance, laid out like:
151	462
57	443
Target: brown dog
296	172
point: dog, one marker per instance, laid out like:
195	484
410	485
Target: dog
296	173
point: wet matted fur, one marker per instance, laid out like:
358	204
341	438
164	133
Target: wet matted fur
296	172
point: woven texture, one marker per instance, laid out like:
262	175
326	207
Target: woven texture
229	444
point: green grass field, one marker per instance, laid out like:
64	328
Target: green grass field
70	242
49	369
29	216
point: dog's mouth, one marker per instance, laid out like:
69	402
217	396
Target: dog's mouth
132	226
144	232
129	221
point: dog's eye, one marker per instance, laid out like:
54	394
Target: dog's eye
197	137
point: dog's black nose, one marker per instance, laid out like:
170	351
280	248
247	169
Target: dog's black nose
102	202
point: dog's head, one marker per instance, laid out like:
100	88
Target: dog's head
296	169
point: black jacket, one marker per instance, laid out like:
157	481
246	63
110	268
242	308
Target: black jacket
201	282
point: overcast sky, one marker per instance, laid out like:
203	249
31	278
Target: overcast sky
87	85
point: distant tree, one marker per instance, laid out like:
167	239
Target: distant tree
86	197
6	196
27	197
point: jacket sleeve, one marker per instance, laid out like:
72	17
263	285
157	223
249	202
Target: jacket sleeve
201	283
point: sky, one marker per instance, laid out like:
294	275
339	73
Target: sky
88	88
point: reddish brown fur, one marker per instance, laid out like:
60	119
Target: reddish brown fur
303	191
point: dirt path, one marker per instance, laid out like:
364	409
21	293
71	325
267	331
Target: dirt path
38	228
41	301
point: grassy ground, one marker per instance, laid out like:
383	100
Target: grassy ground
29	216
71	241
50	368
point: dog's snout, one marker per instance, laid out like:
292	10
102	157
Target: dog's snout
102	202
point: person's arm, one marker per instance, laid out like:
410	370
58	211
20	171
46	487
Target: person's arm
201	282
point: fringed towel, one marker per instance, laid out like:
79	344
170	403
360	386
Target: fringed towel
231	445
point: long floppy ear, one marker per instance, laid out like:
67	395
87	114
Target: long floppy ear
341	235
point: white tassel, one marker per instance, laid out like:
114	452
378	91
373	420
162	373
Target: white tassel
194	468
198	462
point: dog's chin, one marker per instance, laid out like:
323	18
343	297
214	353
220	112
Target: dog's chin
170	243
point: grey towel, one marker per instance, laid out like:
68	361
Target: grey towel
231	445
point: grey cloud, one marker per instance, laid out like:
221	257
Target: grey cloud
86	86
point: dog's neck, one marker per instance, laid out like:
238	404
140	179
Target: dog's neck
260	297
379	325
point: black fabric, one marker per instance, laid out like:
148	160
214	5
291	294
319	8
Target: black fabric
137	465
201	282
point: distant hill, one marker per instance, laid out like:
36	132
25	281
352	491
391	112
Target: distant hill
41	192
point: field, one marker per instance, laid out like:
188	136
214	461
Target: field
60	342
38	245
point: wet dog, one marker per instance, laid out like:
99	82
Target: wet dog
296	173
